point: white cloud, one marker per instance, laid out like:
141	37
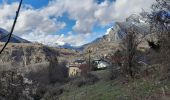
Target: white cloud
6	15
125	8
39	24
87	13
30	20
53	40
108	12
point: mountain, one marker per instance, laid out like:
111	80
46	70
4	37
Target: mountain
118	32
110	42
69	46
14	38
114	35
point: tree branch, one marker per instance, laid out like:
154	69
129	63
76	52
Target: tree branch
13	26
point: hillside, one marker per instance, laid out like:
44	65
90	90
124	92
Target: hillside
118	89
24	56
14	38
29	57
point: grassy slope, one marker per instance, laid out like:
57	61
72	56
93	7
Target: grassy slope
116	90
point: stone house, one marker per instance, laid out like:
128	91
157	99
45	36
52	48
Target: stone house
77	68
74	71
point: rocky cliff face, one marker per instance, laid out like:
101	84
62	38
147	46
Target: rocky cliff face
27	57
118	32
110	42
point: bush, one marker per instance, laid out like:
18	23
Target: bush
88	79
58	72
41	90
53	93
49	73
14	86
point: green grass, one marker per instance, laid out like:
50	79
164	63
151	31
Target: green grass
100	91
115	90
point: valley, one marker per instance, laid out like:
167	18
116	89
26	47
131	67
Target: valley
49	58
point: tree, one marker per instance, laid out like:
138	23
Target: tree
129	45
53	70
57	71
159	19
116	62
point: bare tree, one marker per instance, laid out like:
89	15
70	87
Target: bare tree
116	62
57	71
159	20
130	47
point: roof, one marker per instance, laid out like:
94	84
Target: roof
100	60
79	61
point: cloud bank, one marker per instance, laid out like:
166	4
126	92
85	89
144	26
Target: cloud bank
42	24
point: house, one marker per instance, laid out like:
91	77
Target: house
100	64
79	62
74	71
77	68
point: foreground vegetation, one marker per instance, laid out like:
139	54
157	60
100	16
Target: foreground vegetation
94	86
118	89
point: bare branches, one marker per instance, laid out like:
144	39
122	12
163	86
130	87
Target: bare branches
159	19
13	26
130	44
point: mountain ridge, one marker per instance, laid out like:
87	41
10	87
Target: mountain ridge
14	39
108	43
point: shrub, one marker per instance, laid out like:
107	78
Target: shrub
88	79
14	86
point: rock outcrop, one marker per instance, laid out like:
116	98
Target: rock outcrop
26	57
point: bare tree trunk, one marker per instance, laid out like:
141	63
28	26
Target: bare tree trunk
130	44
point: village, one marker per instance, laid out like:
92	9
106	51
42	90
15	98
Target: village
81	67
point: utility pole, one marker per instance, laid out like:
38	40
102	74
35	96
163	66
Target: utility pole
89	52
13	26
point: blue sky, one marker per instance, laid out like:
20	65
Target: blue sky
34	3
38	4
100	30
66	20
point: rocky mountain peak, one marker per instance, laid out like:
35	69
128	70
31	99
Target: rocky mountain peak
135	19
117	32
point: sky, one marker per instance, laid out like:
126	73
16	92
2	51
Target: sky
59	22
